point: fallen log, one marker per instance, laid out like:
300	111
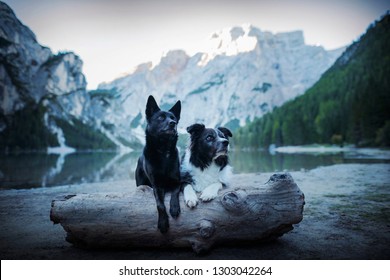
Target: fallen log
246	212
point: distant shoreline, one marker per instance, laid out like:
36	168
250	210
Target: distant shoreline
369	152
313	148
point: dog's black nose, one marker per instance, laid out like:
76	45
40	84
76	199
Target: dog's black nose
172	124
225	143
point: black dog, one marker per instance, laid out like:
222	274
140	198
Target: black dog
159	165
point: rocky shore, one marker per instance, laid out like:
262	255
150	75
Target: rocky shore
346	216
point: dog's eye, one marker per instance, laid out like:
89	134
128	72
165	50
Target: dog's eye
210	138
161	118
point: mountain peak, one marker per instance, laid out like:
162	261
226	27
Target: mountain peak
232	41
174	57
245	38
249	33
235	32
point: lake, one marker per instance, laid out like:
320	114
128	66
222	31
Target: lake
33	170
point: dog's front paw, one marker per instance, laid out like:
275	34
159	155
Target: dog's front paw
190	197
208	195
175	211
191	202
174	208
163	223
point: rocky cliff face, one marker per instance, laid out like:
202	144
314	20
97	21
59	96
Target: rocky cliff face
245	74
20	60
38	89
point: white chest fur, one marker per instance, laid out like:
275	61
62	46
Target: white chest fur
207	182
206	177
209	176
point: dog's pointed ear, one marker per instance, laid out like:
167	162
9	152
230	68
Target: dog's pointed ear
176	109
225	131
151	107
195	128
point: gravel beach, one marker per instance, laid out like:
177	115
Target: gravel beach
346	216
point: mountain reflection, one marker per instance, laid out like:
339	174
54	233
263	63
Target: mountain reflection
33	170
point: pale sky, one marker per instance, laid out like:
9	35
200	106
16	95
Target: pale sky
114	36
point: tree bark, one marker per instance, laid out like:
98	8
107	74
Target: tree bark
247	211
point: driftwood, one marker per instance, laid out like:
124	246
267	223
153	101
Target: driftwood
241	213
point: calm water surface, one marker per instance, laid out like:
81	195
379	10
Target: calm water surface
33	170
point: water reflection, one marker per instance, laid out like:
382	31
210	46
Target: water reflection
44	170
262	161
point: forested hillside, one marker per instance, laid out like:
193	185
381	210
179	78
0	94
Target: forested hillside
349	104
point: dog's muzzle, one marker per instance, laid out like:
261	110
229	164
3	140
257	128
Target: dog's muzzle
222	149
171	128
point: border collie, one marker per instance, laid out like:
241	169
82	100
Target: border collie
159	165
206	162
